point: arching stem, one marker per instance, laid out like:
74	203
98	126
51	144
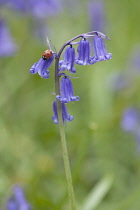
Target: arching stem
63	141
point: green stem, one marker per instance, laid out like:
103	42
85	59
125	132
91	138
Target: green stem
63	141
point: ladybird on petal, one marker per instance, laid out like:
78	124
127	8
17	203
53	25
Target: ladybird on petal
47	54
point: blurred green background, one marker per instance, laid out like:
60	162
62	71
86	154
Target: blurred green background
30	149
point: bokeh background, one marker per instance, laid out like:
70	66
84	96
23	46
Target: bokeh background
104	154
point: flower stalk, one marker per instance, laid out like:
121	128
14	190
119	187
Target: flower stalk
63	140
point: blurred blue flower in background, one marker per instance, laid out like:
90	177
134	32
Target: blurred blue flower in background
96	15
122	80
18	200
43	8
130	122
7	44
35	8
134	59
11	204
118	81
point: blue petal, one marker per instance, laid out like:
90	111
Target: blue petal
33	69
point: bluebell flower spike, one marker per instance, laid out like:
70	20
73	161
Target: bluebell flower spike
41	67
65	115
69	59
66	91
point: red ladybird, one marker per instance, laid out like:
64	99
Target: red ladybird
47	54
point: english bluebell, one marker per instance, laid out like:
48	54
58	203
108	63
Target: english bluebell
69	59
66	91
83	57
41	67
65	115
100	51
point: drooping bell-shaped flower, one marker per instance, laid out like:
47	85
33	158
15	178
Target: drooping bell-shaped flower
41	67
83	53
100	51
65	115
66	91
68	62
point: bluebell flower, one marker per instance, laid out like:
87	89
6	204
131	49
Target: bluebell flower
41	67
100	51
83	53
65	115
7	44
130	120
66	91
68	62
